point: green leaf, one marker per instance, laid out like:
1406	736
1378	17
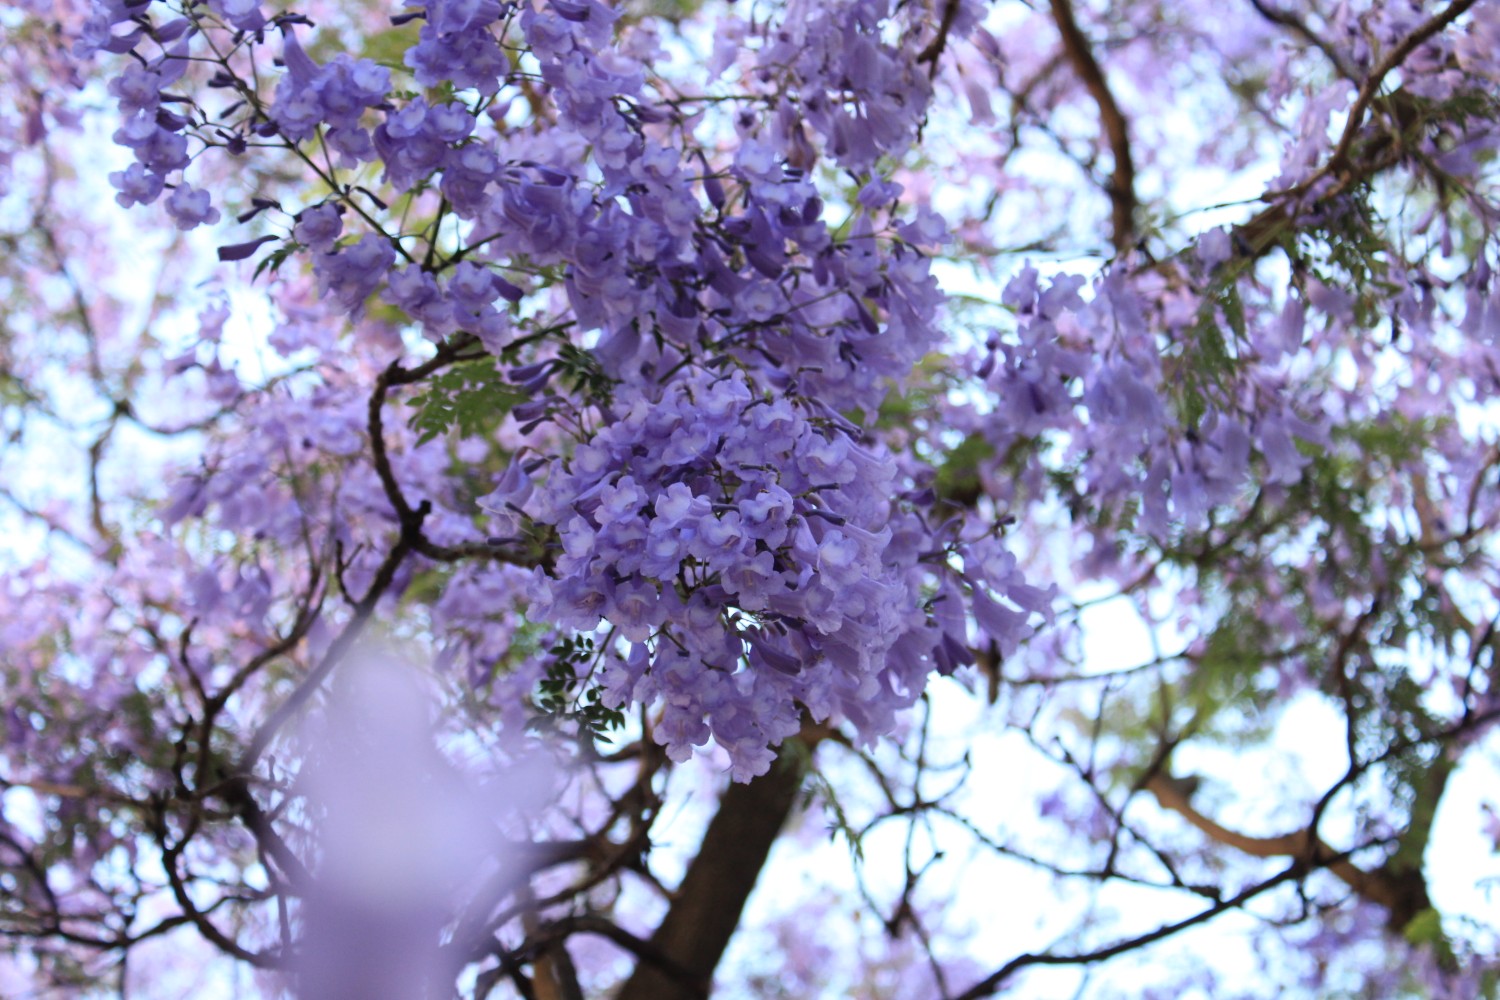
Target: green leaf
1425	928
389	47
472	397
272	262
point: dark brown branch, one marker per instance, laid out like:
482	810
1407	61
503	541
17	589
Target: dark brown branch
385	575
271	845
553	975
645	951
409	519
554	932
1121	188
1398	885
1339	161
1264	231
200	919
450	352
992	983
378	454
933	51
1302	845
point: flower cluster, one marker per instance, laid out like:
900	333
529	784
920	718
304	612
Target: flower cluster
865	95
1134	444
756	556
333	95
755	552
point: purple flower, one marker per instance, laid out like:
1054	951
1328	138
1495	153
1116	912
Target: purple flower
352	274
137	88
637	609
765	515
319	227
191	207
137	185
839	558
454	46
335	95
1281	454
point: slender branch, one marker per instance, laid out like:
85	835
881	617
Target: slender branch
553	975
269	841
385	575
1301	845
396	375
1398	885
1367	93
992	983
1256	237
200	918
411	540
933	50
1299	27
641	949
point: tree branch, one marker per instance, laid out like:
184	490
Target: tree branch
1121	188
1261	233
1340	158
991	984
1302	846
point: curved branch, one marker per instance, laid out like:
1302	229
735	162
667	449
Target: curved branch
1299	27
1121	187
1398	55
992	983
1259	235
1302	845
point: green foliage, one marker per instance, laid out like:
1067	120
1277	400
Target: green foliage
1206	359
389	47
1348	253
1235	653
1426	928
839	824
272	261
471	396
579	370
672	11
564	695
917	398
1225	696
958	476
911	406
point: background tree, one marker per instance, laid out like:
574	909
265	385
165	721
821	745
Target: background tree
683	388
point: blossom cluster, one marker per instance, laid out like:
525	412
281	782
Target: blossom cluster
754	551
1099	370
756	556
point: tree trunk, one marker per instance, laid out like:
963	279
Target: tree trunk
706	908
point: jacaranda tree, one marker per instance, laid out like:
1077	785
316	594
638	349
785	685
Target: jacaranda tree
516	463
